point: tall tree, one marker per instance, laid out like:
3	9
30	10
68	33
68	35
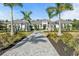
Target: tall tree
51	11
75	24
58	9
27	17
12	5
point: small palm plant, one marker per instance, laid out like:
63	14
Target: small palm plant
51	11
27	17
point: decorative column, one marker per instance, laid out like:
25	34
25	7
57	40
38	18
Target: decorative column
52	27
39	26
66	27
17	27
63	27
46	26
24	27
70	27
21	26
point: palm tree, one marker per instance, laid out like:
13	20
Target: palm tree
12	5
51	11
27	17
58	9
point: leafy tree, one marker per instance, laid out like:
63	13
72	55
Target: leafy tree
75	24
1	25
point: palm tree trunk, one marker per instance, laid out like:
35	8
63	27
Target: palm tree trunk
49	29
11	22
59	31
30	26
25	27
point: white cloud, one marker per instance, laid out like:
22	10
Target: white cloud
4	15
74	14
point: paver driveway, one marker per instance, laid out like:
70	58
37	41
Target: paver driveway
34	45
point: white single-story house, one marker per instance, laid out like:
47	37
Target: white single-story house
42	24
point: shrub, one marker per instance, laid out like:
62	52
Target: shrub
76	52
3	39
53	36
6	39
66	38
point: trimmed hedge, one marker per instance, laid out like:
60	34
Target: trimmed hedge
53	36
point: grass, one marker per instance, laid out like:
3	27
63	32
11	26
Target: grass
74	33
7	40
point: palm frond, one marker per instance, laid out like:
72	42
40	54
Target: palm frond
68	6
26	15
19	4
29	13
51	11
13	4
23	12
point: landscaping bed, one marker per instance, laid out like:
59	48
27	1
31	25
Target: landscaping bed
66	45
7	41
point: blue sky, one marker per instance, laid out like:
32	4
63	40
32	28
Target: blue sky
38	11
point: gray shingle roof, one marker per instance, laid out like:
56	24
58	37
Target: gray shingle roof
39	21
64	21
18	22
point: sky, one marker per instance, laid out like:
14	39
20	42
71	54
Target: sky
38	11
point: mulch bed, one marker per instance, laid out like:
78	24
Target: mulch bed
10	46
60	47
